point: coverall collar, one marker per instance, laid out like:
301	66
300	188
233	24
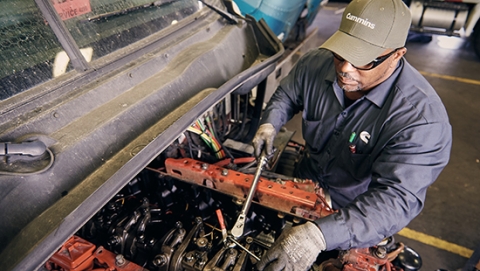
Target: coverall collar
377	95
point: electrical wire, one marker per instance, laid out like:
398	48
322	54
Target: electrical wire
50	163
189	142
207	136
213	128
222	118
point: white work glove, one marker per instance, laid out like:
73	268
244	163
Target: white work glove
296	249
264	139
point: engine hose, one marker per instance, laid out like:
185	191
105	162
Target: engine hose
257	111
244	120
241	160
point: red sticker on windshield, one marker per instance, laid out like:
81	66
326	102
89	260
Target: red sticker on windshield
71	8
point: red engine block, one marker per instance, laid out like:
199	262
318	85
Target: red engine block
303	199
78	254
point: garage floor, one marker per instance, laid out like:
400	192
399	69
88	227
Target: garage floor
447	232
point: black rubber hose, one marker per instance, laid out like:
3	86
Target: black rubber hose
244	120
257	111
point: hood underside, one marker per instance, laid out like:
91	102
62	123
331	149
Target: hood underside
104	125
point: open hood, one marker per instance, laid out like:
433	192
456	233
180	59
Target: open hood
110	113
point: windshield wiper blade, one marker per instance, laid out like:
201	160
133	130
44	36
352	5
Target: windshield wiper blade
222	13
128	10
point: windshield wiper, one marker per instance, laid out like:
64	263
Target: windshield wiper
107	15
222	13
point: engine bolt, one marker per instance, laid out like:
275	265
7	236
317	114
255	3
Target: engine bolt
189	257
202	243
160	260
119	260
114	240
224	172
204	166
381	252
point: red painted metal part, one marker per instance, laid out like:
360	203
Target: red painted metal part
300	199
78	254
362	259
73	255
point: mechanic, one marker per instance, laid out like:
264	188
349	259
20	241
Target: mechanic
376	134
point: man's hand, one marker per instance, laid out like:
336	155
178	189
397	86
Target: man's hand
296	249
264	139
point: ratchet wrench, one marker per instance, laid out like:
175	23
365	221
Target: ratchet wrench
238	228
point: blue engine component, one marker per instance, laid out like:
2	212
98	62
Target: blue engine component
280	15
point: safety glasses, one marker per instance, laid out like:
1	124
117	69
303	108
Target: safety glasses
377	61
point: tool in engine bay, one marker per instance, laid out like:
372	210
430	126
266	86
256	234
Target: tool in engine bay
230	242
238	228
225	236
222	224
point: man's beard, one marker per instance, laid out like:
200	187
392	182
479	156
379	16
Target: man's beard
349	88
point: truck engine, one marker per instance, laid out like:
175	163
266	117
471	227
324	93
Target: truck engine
182	212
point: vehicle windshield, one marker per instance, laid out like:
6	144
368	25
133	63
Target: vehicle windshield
32	54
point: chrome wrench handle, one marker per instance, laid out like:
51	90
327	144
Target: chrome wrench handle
238	228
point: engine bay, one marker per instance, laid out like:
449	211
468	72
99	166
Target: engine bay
180	212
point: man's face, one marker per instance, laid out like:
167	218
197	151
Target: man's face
358	80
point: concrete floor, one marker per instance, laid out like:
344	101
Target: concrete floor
452	212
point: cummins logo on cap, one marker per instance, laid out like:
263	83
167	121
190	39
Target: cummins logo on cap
359	20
